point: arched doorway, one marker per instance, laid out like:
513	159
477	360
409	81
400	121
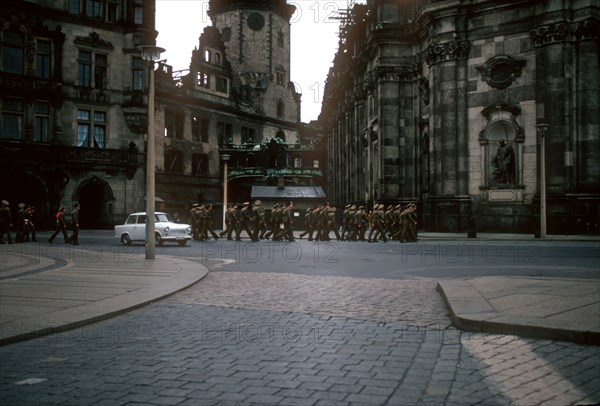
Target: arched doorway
96	199
24	187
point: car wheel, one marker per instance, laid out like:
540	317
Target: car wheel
182	243
158	241
125	239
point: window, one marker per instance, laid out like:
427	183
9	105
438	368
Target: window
248	135
217	58
137	74
74	6
203	80
94	8
224	133
91	128
207	56
221	85
13	52
173	161
43	58
280	39
280	109
112	11
138	11
199	165
42	122
12	119
173	124
85	69
200	129
100	70
280	76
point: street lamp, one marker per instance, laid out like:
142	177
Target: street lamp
542	130
225	159
150	53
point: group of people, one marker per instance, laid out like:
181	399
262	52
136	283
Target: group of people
25	227
201	221
252	220
395	223
61	225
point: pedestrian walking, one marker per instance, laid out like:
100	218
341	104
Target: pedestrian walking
208	224
21	217
260	225
74	239
246	218
61	226
5	222
231	222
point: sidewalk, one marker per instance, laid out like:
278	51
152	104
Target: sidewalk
48	289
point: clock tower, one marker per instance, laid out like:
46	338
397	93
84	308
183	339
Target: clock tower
256	34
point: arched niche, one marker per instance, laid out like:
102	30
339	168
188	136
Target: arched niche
502	149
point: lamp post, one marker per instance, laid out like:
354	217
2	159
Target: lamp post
150	53
225	159
542	130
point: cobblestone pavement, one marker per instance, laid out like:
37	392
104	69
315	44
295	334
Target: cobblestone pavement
241	338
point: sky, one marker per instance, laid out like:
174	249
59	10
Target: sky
314	41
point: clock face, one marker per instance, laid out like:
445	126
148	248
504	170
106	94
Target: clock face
256	21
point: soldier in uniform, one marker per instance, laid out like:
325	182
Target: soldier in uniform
245	221
351	234
192	219
411	220
398	222
61	226
5	222
74	239
208	224
331	223
260	224
275	223
377	224
361	222
29	224
231	222
307	224
288	218
345	216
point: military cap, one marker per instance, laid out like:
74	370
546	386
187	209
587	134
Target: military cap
21	205
348	206
5	203
202	207
353	207
257	203
246	203
195	205
309	209
390	207
398	206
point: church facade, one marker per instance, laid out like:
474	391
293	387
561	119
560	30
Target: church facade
446	102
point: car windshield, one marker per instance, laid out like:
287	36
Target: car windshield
163	218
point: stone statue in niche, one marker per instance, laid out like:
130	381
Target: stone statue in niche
504	164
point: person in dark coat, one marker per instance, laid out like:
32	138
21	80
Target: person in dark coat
61	226
5	222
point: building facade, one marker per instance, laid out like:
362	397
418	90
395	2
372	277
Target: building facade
236	100
445	102
73	106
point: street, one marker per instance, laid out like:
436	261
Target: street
312	323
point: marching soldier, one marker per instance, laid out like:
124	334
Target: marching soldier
351	234
208	224
192	219
377	224
246	219
331	223
345	221
275	220
260	225
411	223
21	217
361	222
231	222
288	218
307	224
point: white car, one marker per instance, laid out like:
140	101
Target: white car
134	229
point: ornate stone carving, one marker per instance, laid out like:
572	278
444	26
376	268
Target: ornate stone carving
447	51
565	31
94	41
501	71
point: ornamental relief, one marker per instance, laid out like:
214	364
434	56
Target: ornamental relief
564	31
447	51
500	72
